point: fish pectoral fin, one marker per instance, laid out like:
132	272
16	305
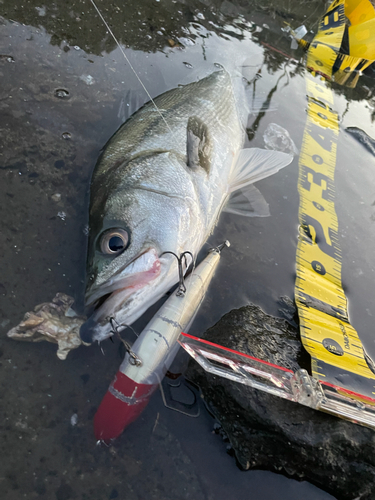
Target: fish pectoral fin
199	145
254	164
248	202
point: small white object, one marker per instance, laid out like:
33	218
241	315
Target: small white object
300	32
41	11
88	79
56	197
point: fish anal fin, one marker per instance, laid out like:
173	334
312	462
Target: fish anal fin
199	145
253	164
248	202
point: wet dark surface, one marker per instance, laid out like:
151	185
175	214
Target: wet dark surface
65	89
271	433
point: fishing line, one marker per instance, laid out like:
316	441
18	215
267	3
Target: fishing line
144	88
130	64
161	115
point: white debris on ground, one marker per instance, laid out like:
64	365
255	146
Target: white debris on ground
53	321
88	79
74	419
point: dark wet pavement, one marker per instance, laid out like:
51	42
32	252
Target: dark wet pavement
50	142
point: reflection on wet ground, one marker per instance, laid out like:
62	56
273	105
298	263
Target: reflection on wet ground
65	90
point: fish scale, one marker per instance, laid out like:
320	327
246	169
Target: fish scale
143	130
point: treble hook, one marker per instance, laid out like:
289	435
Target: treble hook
134	360
181	285
115	327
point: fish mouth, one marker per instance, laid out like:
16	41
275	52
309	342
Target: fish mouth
145	265
106	300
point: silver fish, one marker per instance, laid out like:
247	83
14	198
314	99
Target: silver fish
161	188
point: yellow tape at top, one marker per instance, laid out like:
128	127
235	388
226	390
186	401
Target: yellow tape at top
354	19
359	11
325	47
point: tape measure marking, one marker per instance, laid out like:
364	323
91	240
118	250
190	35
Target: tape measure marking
326	333
325	329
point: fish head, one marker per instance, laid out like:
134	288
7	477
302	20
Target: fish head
136	214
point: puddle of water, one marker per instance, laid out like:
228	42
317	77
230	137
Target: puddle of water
65	90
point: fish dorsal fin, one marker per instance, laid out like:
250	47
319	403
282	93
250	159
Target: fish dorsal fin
252	165
199	145
248	202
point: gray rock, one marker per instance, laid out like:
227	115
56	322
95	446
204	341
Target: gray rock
267	432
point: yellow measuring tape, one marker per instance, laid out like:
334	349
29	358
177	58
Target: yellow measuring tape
326	333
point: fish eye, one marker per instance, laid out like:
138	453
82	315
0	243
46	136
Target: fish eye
114	241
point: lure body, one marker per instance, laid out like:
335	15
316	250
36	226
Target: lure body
152	354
